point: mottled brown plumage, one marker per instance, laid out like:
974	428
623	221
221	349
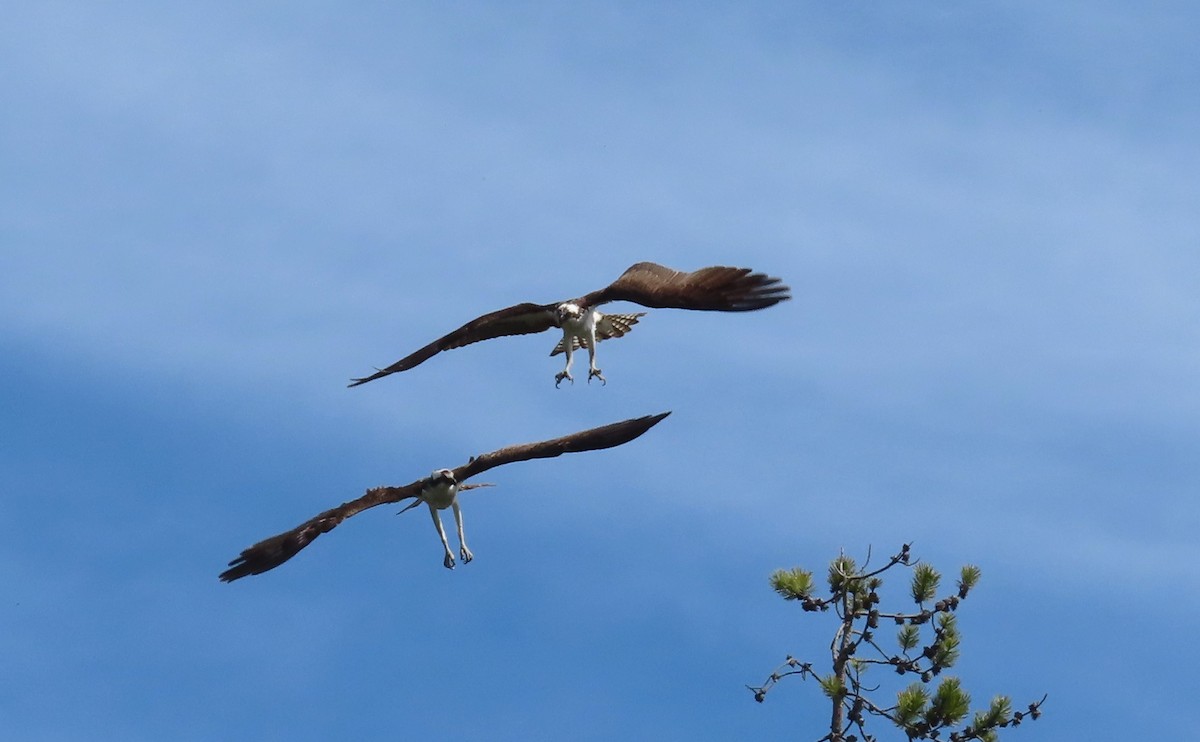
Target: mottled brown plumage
714	289
274	551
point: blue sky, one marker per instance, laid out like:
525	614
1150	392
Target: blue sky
213	216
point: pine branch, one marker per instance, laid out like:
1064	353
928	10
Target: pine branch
854	649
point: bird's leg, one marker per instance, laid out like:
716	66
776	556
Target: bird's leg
463	551
592	370
566	372
437	522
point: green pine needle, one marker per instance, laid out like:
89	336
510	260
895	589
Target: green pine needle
998	713
969	579
793	584
910	704
833	687
950	704
840	570
948	645
925	581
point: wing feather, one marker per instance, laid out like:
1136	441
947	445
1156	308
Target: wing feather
595	439
519	319
609	326
717	288
274	551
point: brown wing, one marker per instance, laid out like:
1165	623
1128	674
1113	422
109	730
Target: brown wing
272	552
716	288
519	319
609	326
595	439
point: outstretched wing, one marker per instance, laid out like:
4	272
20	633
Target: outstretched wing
609	326
606	436
716	288
272	552
519	319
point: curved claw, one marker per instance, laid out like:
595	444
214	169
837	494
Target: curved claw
448	562
595	372
466	554
558	378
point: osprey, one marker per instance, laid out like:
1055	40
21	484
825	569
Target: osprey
439	491
716	288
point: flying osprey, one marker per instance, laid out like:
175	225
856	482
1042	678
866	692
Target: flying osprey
439	491
716	288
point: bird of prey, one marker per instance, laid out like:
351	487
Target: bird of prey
716	288
439	491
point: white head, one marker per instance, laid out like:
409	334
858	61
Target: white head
569	311
442	476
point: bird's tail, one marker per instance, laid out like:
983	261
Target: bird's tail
608	326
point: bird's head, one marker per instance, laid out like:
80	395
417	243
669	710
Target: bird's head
441	476
569	311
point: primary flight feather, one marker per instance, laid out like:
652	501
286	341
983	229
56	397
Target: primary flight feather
713	289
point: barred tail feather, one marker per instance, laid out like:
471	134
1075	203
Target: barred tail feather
609	326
